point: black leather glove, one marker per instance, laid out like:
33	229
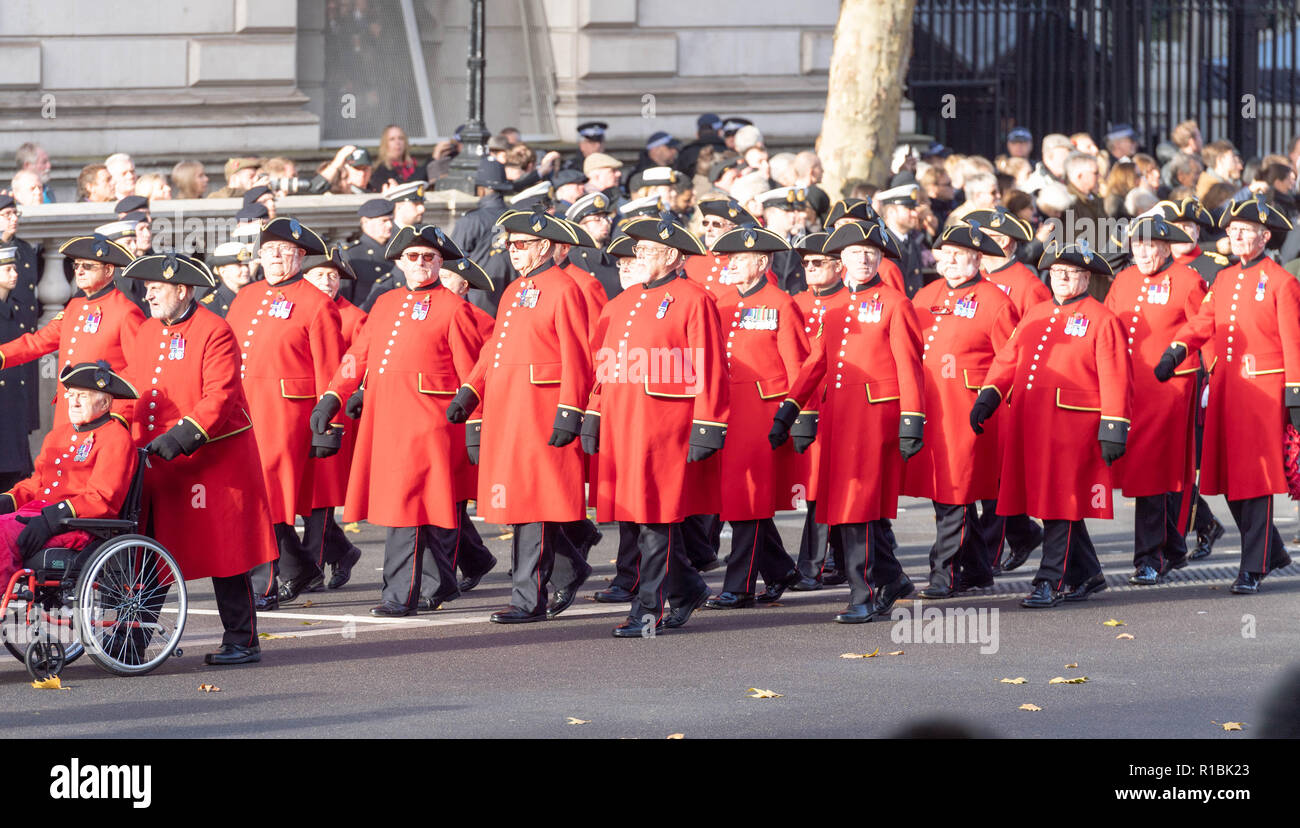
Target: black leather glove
327	444
7	504
985	404
473	438
461	406
567	426
1295	417
781	423
353	406
705	440
560	437
324	411
804	432
591	433
165	446
909	446
698	453
34	535
1111	451
1169	360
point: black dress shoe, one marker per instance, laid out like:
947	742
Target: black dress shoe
1016	558
1145	576
731	600
563	598
391	609
428	604
234	654
833	577
1042	596
614	595
632	628
470	581
514	615
266	603
709	565
1205	540
965	583
855	614
888	594
1171	565
1081	592
774	591
806	585
289	590
678	616
934	592
1247	583
341	572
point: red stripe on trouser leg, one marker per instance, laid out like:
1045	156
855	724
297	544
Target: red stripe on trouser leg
753	553
415	561
871	592
541	556
252	613
1065	565
1002	540
1268	534
455	551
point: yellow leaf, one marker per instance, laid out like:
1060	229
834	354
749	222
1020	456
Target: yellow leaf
1074	665
505	536
354	528
51	683
895	652
1064	680
1124	637
306	604
872	654
755	693
209	688
774	604
1017	680
676	735
270	636
573	721
1030	707
1232	725
613	560
310	623
1113	623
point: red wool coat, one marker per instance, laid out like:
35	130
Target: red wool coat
964	328
706	271
209	508
1021	285
331	473
410	465
290	342
1069	368
82	471
593	292
870	361
661	376
534	374
1162	440
814	310
1252	319
765	347
88	329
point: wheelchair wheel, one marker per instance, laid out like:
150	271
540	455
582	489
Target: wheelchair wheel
131	604
45	659
17	636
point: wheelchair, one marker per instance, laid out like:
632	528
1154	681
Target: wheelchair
121	599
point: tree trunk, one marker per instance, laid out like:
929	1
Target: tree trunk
873	43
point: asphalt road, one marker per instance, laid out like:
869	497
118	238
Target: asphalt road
1198	657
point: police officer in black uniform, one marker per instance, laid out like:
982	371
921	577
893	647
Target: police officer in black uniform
230	263
366	255
898	210
26	308
594	213
591	138
15	452
476	232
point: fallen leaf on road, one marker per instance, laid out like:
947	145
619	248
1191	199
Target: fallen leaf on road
1030	707
1113	623
354	528
1073	665
573	721
1064	680
310	623
270	636
209	688
676	735
895	652
755	693
1017	680
872	654
51	683
613	560
1232	725
774	604
1124	637
306	604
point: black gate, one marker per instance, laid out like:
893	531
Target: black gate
1085	65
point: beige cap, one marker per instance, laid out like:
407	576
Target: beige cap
600	161
234	165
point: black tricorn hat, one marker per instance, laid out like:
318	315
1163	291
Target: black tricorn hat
96	248
622	247
1256	211
98	376
1080	255
812	244
664	230
290	230
749	240
425	235
725	207
581	237
1187	209
862	232
539	224
1155	228
854	208
333	259
172	268
969	236
472	273
1001	220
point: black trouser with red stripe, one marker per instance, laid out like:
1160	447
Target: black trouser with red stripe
1157	543
1069	558
323	538
405	576
869	561
293	562
533	554
756	549
958	552
701	536
1262	549
627	563
1015	531
818	546
472	557
235	607
666	572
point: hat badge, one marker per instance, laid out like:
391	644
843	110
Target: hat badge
168	271
99	381
731	211
420	191
537	224
749	238
100	250
295	229
997	220
599	201
665	232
